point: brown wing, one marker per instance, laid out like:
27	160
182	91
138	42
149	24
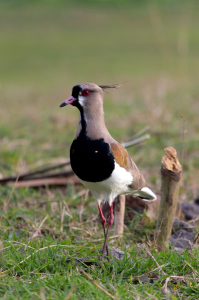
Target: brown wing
125	161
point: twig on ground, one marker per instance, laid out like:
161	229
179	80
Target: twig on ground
29	174
48	181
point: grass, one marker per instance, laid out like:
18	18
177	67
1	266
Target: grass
44	265
44	51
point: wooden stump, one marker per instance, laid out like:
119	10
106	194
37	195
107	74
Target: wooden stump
119	215
171	171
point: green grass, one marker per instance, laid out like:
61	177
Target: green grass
44	51
44	265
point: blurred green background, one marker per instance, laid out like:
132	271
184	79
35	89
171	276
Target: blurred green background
47	47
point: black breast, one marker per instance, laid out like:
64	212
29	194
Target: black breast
91	160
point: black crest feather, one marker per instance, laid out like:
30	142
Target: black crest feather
112	86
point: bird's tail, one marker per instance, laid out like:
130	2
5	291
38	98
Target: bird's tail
145	193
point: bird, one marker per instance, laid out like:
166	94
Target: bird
101	163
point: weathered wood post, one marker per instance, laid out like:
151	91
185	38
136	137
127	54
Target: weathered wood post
171	171
119	215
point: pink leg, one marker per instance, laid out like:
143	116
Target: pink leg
103	222
110	222
103	219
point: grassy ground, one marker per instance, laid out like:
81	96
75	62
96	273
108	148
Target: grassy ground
44	51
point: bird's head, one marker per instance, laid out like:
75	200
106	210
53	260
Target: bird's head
85	95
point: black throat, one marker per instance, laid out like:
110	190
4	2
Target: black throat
75	93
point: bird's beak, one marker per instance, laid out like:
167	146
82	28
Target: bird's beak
68	101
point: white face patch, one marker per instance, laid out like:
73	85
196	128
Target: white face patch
81	100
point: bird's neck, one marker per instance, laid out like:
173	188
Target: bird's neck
92	125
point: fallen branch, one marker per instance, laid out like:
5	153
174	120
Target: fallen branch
29	174
50	175
47	181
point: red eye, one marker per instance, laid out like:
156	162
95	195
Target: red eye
85	93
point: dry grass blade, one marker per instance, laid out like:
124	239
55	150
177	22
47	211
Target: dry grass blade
159	267
36	232
42	293
1	252
165	288
62	211
51	246
194	270
15	242
97	284
70	293
112	287
6	204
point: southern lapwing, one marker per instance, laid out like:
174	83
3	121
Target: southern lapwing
100	162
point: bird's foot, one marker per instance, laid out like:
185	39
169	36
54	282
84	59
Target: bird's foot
105	256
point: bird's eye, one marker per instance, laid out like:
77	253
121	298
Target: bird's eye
85	93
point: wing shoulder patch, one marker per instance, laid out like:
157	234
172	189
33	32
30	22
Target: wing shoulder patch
120	154
124	160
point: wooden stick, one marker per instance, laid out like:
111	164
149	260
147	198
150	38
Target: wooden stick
67	173
119	215
47	181
141	132
137	141
38	171
171	171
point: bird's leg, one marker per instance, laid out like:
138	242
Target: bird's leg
110	222
103	222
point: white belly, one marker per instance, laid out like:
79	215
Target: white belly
107	190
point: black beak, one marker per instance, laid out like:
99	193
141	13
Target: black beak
63	104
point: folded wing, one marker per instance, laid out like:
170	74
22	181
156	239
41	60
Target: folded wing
139	186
